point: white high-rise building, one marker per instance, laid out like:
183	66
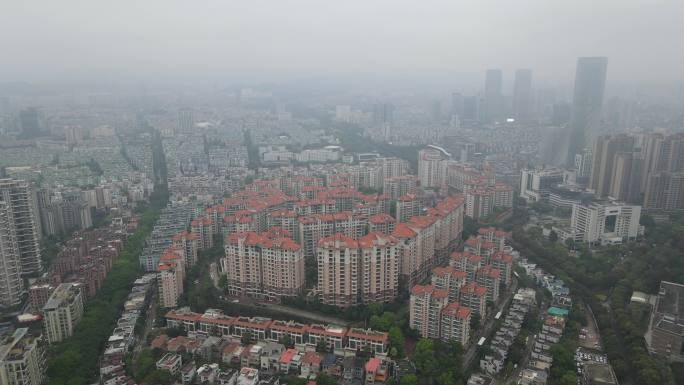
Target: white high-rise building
11	283
62	312
605	222
432	167
22	213
535	184
22	359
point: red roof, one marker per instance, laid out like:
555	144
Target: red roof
311	358
368	334
381	218
376	239
272	239
287	355
372	365
338	240
403	231
455	310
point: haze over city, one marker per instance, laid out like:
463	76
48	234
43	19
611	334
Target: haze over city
155	41
342	193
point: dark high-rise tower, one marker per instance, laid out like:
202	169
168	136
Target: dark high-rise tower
30	128
493	97
590	83
186	120
522	95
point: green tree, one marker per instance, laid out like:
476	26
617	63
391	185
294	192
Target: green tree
426	363
396	341
409	379
246	338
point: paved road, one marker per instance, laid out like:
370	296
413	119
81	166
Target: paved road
487	330
311	316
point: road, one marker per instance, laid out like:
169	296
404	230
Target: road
299	313
486	331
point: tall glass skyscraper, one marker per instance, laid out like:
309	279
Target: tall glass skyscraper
590	83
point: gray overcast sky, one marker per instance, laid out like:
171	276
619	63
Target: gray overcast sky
49	40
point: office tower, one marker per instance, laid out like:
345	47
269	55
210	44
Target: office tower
522	95
493	96
22	359
186	120
30	127
11	283
383	113
535	185
663	171
19	198
665	191
583	164
561	114
590	82
605	222
457	105
62	312
471	111
606	147
436	110
626	178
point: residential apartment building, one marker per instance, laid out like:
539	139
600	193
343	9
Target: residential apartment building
19	199
352	272
455	323
407	206
267	265
432	167
22	359
449	279
474	297
315	227
62	312
11	283
397	186
425	309
170	276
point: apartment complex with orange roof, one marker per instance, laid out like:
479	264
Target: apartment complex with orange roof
267	265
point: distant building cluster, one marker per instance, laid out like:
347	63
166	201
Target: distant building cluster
481	191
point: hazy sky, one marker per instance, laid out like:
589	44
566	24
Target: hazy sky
52	40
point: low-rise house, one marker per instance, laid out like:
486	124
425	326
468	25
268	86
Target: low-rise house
248	376
227	377
362	339
285	360
170	362
311	364
207	373
188	372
